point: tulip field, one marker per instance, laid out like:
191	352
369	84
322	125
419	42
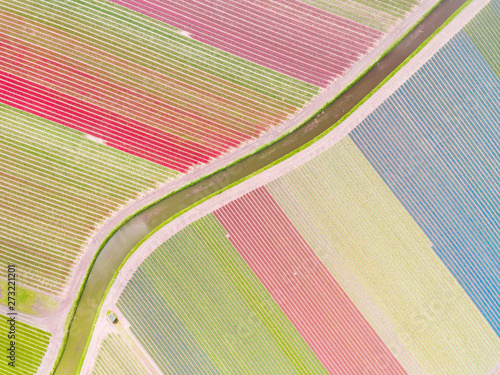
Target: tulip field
301	285
448	178
175	83
103	101
289	37
226	321
381	15
30	346
367	240
58	186
378	255
116	357
484	33
140	85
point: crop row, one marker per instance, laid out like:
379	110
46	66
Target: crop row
164	335
385	263
116	357
303	287
58	188
436	144
484	31
68	144
153	90
207	311
380	14
30	343
35	153
282	40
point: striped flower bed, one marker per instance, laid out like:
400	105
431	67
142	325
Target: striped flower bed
208	313
386	264
379	14
303	288
292	38
176	83
58	186
116	357
435	143
142	86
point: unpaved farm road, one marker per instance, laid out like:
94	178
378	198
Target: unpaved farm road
125	239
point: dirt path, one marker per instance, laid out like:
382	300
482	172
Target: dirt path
277	171
495	370
122	328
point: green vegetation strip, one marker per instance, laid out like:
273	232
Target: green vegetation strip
484	31
27	300
30	346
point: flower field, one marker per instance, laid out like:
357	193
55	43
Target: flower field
31	344
385	263
378	254
58	186
484	33
116	357
303	288
292	38
103	101
448	178
225	322
140	85
175	83
381	15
